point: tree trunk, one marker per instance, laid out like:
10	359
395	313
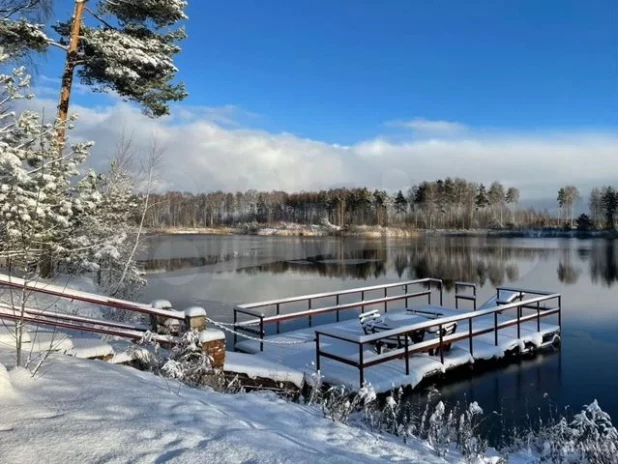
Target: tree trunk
69	68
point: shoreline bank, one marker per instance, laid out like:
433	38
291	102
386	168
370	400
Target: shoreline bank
301	230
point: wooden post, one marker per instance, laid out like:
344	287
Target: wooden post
69	68
195	317
213	343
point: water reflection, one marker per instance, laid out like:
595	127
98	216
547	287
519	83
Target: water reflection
603	262
220	272
513	396
479	261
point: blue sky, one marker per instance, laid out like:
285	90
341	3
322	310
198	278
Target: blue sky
369	73
337	70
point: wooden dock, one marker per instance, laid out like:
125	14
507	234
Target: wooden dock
512	323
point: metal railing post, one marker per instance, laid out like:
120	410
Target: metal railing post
362	306
441	349
309	307
386	302
538	316
337	304
470	337
496	328
361	363
317	350
406	290
518	322
474	301
261	332
235	328
407	356
278	313
441	293
560	312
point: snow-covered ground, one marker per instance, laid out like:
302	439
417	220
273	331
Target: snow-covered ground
90	411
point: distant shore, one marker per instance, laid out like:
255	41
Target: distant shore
303	230
292	230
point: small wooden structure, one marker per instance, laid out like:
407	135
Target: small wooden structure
508	323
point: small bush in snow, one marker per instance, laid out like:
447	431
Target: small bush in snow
441	428
471	445
590	438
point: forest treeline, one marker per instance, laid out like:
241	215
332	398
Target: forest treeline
449	203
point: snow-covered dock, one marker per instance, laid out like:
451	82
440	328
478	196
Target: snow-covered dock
345	353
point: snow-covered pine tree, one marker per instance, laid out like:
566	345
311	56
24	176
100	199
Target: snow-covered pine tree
123	46
44	196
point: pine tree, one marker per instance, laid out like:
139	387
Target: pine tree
122	46
481	199
610	204
401	204
44	196
561	200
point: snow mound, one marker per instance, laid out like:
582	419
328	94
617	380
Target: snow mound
6	389
88	411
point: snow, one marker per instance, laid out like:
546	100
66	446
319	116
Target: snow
242	363
90	348
296	350
195	311
161	304
6	389
210	335
92	411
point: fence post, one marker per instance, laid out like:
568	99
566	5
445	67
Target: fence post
441	293
162	324
518	322
278	310
496	327
538	316
386	302
212	342
559	312
195	318
309	307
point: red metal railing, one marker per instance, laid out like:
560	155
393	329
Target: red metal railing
260	319
82	323
361	362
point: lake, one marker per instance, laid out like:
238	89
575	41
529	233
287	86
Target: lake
217	272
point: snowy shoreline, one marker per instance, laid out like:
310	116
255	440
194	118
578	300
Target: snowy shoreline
302	230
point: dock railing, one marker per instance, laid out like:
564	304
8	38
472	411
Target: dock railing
461	295
362	362
252	318
51	318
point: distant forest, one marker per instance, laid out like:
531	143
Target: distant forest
449	203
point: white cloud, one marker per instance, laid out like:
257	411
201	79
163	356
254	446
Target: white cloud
204	153
427	126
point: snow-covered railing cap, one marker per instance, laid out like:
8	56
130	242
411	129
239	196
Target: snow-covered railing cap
210	335
195	311
161	304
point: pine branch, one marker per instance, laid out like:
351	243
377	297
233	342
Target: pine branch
95	15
